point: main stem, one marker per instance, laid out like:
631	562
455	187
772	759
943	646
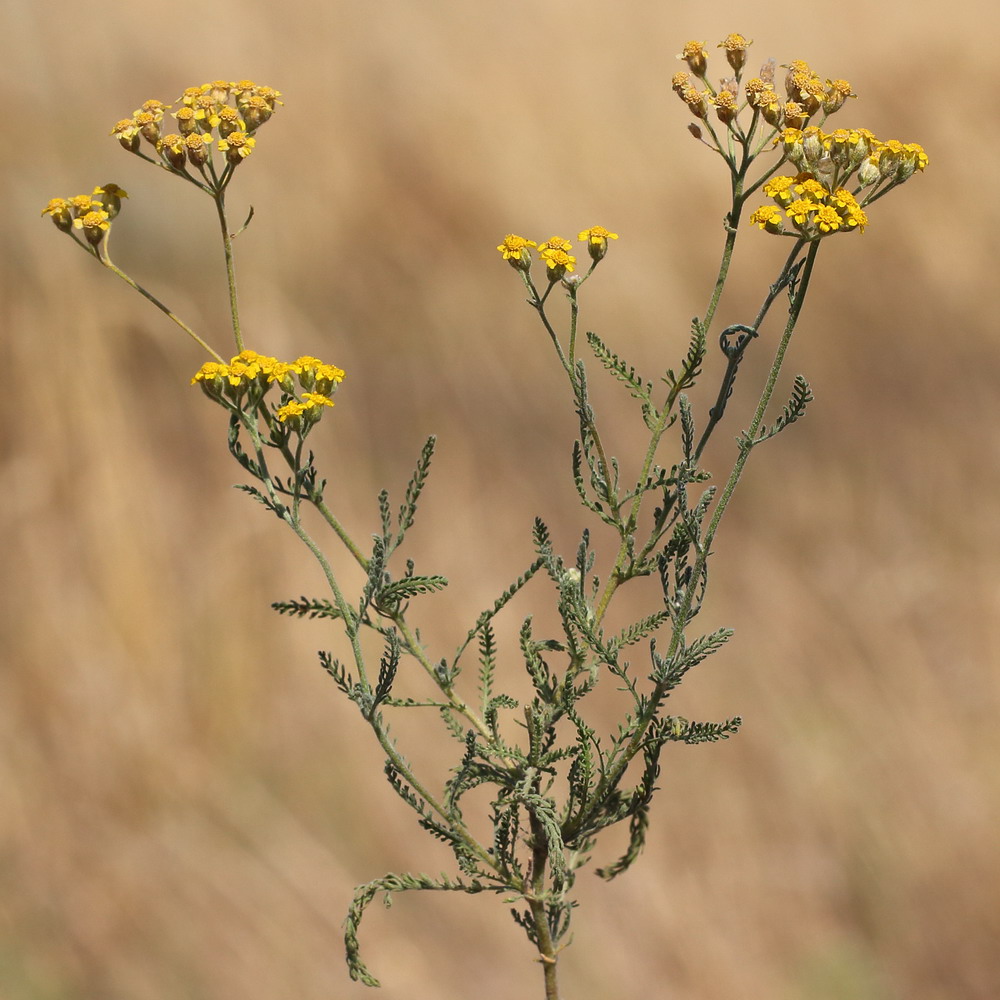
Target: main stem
546	947
227	242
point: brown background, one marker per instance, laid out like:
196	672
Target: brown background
185	801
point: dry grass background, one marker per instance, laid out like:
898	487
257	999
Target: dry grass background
186	803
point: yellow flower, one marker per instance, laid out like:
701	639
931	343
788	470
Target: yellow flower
291	411
317	375
94	225
60	211
558	263
315	400
127	133
597	241
696	56
779	188
237	146
736	50
555	243
827	219
515	250
799	210
768	218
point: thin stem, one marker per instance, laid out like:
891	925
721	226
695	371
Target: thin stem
682	614
547	952
107	262
227	242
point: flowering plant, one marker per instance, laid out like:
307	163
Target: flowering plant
555	783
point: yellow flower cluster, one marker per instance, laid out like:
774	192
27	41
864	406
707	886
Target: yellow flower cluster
827	163
813	210
555	251
248	377
92	213
204	115
839	172
805	94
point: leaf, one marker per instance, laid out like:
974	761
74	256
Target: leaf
415	487
389	884
626	374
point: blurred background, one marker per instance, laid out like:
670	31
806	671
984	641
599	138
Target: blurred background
186	802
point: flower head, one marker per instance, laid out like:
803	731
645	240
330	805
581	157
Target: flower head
696	56
597	241
94	225
736	50
514	249
558	263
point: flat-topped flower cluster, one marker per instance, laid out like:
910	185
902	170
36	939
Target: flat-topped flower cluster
838	173
205	115
245	381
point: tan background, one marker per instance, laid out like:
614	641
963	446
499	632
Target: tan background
185	801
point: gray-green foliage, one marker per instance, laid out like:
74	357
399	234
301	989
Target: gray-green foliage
554	781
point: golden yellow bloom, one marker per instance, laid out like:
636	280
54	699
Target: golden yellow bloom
291	412
237	146
837	91
314	400
206	112
725	106
173	150
799	210
127	133
515	251
196	146
558	263
696	56
696	101
736	50
94	225
187	123
555	243
827	219
149	126
82	204
597	241
768	218
228	121
779	188
60	211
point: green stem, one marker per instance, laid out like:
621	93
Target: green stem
615	770
107	262
227	242
547	952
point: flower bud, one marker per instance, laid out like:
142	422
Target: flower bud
868	172
256	111
110	198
